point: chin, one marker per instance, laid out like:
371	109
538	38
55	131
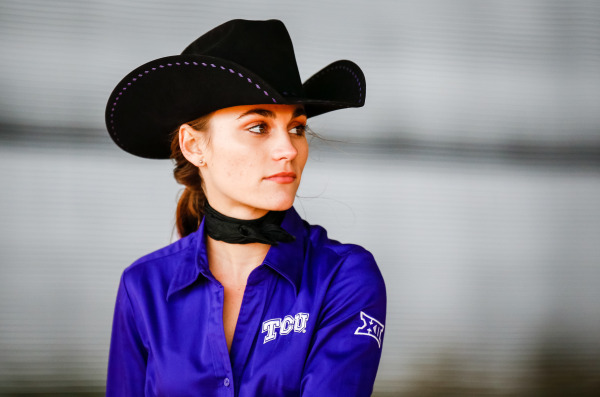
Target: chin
279	205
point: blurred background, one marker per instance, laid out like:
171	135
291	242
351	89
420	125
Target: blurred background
472	174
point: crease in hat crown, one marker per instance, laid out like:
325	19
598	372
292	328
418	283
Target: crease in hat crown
259	38
237	63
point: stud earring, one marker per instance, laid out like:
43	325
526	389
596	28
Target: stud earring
200	163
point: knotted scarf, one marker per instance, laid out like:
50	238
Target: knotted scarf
266	229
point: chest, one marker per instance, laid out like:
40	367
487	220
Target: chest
233	296
239	343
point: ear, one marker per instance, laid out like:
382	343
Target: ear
191	143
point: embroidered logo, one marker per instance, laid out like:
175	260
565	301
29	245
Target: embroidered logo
284	326
370	327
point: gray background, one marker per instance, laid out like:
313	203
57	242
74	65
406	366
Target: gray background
472	174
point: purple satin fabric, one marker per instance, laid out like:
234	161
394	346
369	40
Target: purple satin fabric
311	322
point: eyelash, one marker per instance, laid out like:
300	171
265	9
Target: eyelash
263	128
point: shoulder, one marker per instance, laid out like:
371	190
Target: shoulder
161	263
341	258
348	277
324	256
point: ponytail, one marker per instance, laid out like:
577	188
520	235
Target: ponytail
190	207
190	211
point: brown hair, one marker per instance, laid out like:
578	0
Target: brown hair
190	208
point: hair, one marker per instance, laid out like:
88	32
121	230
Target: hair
190	207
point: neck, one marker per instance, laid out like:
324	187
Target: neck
233	263
235	247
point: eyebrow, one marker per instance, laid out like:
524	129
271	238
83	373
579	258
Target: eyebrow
299	111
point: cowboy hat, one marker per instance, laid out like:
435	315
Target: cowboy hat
237	63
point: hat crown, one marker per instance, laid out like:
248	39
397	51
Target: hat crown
263	47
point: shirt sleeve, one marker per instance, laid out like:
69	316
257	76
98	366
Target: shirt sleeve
346	348
127	355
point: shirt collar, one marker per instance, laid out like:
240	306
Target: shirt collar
192	265
285	258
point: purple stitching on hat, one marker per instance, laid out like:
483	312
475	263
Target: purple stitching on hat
134	79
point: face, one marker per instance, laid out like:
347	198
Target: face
251	158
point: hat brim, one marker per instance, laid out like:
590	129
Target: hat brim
157	97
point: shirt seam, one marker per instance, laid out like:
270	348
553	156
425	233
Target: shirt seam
145	260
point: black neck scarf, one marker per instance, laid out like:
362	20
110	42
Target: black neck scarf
266	230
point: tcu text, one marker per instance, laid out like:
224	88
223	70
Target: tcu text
286	325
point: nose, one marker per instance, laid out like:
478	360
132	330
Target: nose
283	147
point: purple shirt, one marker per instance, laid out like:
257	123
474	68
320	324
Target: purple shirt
310	324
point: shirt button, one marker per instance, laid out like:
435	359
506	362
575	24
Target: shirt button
226	382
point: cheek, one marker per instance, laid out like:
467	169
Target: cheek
302	156
237	167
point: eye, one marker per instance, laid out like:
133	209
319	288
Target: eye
299	130
258	129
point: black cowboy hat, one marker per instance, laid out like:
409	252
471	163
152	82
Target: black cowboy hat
237	63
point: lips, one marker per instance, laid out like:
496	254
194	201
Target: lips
282	177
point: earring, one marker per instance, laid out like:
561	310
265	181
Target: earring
200	163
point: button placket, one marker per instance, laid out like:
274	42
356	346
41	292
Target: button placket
220	349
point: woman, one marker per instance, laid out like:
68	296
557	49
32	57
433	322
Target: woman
251	301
